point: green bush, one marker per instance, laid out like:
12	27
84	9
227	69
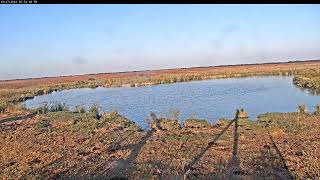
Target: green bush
3	106
94	109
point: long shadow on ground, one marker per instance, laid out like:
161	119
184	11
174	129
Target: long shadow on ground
94	167
270	163
197	158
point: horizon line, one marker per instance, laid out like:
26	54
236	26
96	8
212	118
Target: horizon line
135	71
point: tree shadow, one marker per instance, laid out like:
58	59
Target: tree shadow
269	163
124	166
97	166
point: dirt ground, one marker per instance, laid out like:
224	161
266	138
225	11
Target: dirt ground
64	145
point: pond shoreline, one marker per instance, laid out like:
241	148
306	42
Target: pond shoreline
14	91
207	99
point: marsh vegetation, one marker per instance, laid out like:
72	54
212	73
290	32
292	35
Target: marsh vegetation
55	141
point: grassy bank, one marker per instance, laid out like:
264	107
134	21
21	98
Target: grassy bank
309	80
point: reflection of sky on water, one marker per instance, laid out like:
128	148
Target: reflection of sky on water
209	99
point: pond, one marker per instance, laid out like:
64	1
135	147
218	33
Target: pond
208	99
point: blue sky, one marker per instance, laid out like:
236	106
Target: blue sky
53	40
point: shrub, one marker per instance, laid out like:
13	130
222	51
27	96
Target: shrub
58	107
65	107
165	124
114	113
302	108
38	92
94	109
3	106
43	109
16	107
196	123
317	112
43	125
80	109
152	117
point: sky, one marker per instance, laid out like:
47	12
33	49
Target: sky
54	40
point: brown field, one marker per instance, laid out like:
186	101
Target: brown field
62	144
252	68
65	145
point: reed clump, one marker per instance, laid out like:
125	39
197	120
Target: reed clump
80	109
95	109
317	111
151	118
302	109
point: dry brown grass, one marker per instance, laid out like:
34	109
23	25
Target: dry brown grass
63	144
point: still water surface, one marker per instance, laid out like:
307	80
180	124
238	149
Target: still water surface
209	99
